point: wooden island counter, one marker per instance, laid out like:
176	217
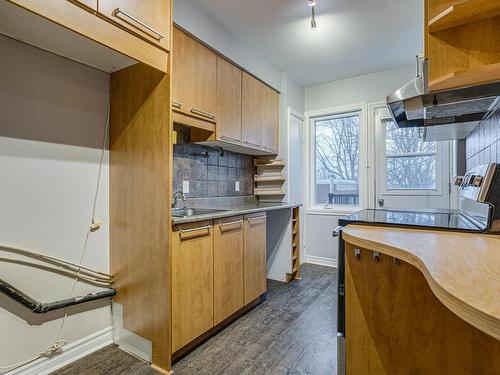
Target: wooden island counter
421	301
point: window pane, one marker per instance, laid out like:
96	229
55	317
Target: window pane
337	160
405	140
414	172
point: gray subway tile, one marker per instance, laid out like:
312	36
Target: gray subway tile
222	173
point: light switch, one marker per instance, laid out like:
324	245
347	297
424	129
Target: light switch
237	186
185	187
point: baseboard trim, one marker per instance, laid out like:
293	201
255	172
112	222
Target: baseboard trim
327	262
70	353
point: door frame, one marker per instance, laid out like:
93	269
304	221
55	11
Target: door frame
302	214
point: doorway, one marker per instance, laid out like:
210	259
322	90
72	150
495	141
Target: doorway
409	173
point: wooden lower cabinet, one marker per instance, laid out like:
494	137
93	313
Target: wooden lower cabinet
255	268
217	271
192	282
228	267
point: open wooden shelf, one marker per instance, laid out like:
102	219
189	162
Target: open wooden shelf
483	74
268	163
279	178
463	12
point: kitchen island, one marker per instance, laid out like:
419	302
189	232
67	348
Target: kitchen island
421	301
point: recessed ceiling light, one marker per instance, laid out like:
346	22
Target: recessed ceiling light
311	3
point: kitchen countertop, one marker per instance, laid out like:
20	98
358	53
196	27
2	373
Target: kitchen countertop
234	209
462	269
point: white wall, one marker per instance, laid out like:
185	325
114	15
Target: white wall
202	25
363	89
367	88
53	117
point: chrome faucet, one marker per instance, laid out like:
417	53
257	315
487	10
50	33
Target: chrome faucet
175	198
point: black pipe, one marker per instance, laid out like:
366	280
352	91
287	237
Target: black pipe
43	308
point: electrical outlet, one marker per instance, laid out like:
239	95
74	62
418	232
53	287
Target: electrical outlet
185	187
237	186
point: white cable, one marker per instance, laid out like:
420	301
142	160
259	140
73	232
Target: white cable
59	342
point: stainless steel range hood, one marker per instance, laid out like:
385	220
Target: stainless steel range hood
442	115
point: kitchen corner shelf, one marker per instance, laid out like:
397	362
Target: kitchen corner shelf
269	180
483	74
463	12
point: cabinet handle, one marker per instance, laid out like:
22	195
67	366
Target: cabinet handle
197	111
118	11
230	139
252	144
191	230
256	218
223	226
176	104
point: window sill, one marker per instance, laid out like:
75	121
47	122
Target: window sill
334	211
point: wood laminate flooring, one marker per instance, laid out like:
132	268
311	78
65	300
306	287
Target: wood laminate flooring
293	332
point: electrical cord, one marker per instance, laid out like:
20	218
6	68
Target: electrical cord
59	343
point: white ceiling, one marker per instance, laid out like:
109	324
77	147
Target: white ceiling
353	37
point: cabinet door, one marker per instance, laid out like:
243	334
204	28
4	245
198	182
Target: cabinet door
255	257
252	110
270	123
228	267
86	4
150	20
192	282
194	78
228	101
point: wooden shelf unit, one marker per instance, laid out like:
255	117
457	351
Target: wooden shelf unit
295	248
269	180
462	42
483	74
462	12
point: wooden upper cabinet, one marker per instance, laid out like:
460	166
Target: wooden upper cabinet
228	101
194	78
255	269
270	125
252	110
150	20
86	4
260	109
228	267
462	42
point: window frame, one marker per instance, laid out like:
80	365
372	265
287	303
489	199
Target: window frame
382	163
311	117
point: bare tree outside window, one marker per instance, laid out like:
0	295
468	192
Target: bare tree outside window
411	163
337	159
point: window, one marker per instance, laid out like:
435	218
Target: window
410	162
336	159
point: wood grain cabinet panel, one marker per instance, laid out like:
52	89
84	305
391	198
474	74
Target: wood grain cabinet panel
260	114
270	123
228	267
150	20
194	80
252	110
228	101
86	4
192	282
255	269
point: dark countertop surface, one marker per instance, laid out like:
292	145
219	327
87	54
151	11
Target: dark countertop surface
233	209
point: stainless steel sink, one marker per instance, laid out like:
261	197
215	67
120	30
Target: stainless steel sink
186	212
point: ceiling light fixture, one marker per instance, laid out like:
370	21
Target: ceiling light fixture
312	4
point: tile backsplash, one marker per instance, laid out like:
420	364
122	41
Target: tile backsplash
483	144
211	174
